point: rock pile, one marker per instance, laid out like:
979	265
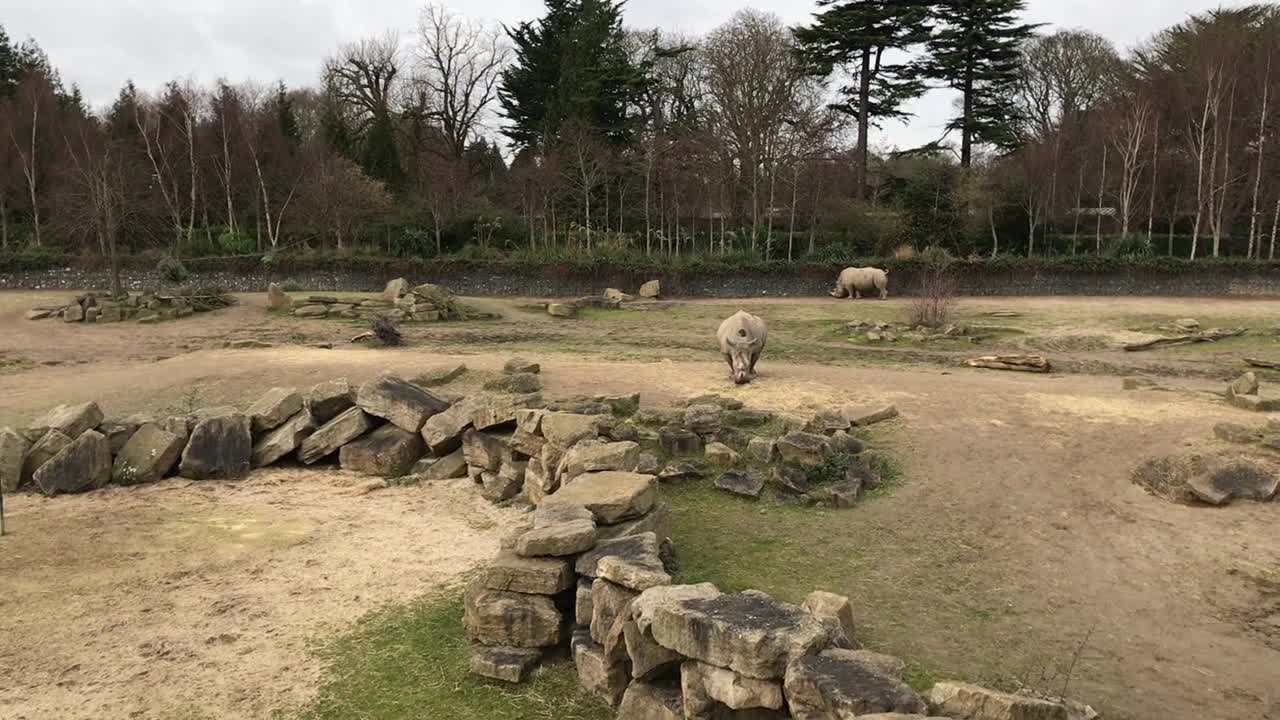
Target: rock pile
1245	392
878	331
1212	479
424	303
145	307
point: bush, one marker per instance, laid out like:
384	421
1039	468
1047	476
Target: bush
172	271
1131	246
384	328
203	298
931	307
235	243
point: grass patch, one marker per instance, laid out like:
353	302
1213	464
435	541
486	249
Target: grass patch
411	662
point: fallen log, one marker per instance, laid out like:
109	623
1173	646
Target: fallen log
363	336
1211	336
1264	364
1020	363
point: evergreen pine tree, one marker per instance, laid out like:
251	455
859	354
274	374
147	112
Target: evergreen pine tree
10	69
975	50
287	117
855	35
380	158
572	64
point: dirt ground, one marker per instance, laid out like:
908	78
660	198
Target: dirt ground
186	599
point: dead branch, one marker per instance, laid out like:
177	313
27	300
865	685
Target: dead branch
1020	363
1264	364
1211	336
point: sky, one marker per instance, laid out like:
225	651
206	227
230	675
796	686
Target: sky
99	44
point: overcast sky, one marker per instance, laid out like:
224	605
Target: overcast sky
98	44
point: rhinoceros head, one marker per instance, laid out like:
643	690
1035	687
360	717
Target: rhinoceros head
740	357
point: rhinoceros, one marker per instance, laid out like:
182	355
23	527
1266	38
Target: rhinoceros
742	337
855	281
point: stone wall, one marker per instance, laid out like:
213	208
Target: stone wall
1211	280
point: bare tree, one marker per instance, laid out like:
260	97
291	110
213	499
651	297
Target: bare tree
1128	139
98	180
363	74
271	154
1254	239
34	90
460	61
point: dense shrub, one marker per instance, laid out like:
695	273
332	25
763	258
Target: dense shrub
172	271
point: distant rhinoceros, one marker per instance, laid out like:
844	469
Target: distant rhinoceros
855	281
742	337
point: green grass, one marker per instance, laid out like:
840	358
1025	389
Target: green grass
412	662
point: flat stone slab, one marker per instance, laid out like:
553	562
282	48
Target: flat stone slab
564	430
283	440
741	483
641	548
611	496
558	540
451	466
822	687
510	619
401	403
585	458
274	407
150	455
387	452
534	576
598	673
508	664
963	700
339	431
748	632
1226	480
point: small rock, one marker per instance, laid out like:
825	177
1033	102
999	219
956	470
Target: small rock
283	440
752	418
395	289
564	430
328	400
790	480
827	423
277	299
762	449
702	419
679	472
842	443
449	467
561	310
644	701
518	383
844	494
721	454
741	483
834	611
584	458
803	448
498	487
1246	384
508	664
443	376
486	450
334	434
963	700
616	296
679	441
516	366
632	574
647	464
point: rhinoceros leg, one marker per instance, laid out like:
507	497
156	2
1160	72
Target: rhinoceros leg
729	359
751	369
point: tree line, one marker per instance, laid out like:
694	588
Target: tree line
572	133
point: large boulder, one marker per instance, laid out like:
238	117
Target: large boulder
1246	384
334	434
277	299
404	404
118	432
564	430
395	289
702	419
13	451
645	701
42	451
283	440
509	664
703	686
826	687
274	407
150	455
532	576
1226	479
608	603
748	632
651	289
486	450
71	420
443	432
971	702
387	452
611	496
84	464
220	448
510	619
762	449
328	400
504	483
600	674
803	448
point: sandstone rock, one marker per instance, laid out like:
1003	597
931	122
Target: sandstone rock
748	632
790	480
311	311
820	687
1236	433
518	383
1246	384
632	574
39	313
564	430
1226	479
84	464
516	366
644	701
588	457
283	440
42	451
510	619
862	417
449	467
566	538
492	411
641	549
277	299
622	405
403	404
150	455
582	604
679	472
832	610
657	521
533	576
220	448
762	449
843	494
746	484
395	289
651	289
802	448
843	443
679	441
73	313
339	431
529	420
703	685
328	400
887	665
118	433
71	420
561	310
497	487
486	450
647	464
179	425
862	473
721	454
827	423
648	658
442	376
509	664
600	675
538	483
611	496
443	432
970	702
13	451
274	407
387	452
608	603
751	418
1253	403
615	295
702	419
725	403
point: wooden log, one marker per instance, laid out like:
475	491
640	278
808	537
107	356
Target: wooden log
362	337
1264	364
1211	336
1019	363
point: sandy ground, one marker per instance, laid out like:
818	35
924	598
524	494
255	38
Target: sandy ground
145	602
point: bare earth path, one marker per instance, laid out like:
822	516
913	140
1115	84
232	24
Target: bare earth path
202	596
